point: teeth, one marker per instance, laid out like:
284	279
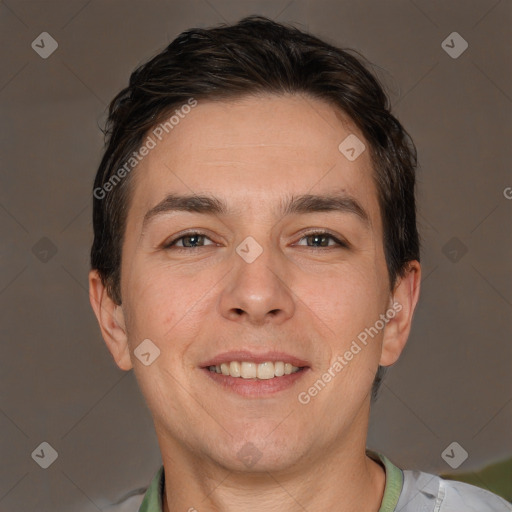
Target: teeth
248	370
266	371
234	369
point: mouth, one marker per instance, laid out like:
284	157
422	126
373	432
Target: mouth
253	375
250	370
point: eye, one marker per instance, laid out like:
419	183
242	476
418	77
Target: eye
322	238
192	240
196	239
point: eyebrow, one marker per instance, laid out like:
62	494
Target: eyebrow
302	204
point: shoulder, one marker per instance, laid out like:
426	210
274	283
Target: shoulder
427	492
461	496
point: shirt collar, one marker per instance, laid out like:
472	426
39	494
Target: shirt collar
394	482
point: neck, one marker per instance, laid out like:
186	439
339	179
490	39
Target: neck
342	479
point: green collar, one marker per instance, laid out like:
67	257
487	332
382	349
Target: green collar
153	498
394	481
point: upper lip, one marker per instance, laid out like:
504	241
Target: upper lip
253	357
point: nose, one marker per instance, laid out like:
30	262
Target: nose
259	291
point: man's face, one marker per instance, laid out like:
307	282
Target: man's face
255	281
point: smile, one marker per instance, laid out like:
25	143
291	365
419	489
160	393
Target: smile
251	370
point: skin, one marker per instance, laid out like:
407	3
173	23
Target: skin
297	297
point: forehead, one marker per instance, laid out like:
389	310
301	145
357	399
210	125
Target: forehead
252	151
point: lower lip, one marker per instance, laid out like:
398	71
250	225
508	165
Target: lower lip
256	387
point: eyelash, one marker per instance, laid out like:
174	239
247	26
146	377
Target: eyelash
172	243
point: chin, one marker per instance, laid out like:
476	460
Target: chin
259	453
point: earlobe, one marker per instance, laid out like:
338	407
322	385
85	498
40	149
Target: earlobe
403	302
110	317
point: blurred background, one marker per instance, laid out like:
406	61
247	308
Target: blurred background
445	407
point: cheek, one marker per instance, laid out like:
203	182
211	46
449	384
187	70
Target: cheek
155	302
347	300
349	303
164	304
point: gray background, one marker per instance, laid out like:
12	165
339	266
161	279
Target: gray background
58	381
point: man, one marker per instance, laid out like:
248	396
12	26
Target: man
256	262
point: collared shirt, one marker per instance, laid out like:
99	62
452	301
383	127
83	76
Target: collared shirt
404	491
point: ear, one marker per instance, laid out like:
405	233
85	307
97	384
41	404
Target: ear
403	301
111	319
